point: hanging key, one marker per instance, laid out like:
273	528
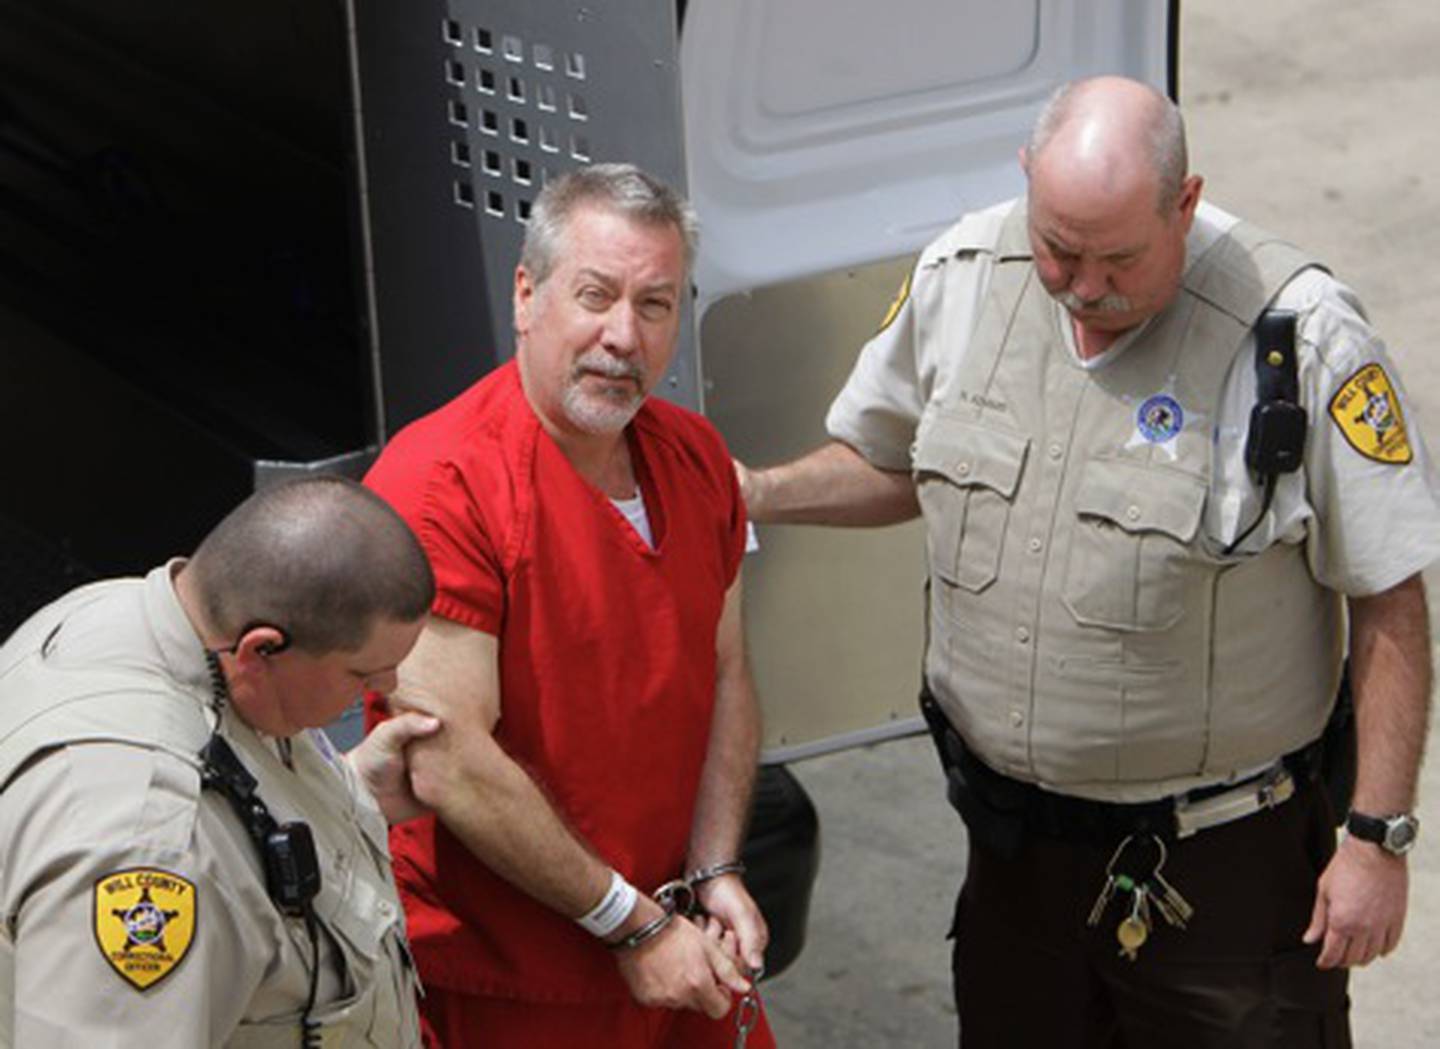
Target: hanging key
1172	917
1107	893
1113	881
1177	903
1135	929
1173	907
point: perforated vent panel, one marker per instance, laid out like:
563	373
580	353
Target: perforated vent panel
465	110
522	113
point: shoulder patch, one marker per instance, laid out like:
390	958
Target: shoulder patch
896	306
1367	411
144	923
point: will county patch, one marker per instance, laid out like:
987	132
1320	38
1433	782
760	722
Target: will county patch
144	922
1367	410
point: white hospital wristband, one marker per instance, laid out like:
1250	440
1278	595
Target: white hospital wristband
612	910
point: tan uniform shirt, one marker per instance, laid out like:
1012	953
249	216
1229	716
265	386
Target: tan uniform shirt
1113	698
134	903
1366	524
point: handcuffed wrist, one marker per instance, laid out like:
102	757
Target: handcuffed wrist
646	932
614	908
701	875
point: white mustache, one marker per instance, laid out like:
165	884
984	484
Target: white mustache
598	362
1108	304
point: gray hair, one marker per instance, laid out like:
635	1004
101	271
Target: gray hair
322	558
621	188
1165	131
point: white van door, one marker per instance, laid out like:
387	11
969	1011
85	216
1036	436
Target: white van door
826	142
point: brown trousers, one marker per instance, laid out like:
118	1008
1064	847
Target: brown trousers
1030	974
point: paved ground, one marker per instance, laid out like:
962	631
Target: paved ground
1313	117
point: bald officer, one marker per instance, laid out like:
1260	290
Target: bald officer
1135	639
181	843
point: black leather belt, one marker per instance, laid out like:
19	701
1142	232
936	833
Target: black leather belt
1004	809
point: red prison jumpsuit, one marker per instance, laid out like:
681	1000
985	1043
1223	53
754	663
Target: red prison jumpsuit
607	679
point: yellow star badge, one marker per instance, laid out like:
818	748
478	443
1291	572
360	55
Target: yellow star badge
144	922
1367	410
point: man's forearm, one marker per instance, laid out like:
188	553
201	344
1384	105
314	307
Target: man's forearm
833	485
1391	676
501	816
481	794
727	780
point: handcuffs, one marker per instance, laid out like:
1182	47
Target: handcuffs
680	896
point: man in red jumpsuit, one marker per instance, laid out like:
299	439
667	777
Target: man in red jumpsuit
586	656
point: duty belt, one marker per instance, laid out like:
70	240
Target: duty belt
1001	809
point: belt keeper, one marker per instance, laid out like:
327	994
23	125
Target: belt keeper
1277	786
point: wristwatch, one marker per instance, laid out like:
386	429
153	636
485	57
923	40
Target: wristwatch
1395	834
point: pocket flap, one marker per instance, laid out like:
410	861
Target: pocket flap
969	454
362	918
1142	498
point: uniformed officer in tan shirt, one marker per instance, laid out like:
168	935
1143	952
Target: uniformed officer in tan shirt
1133	649
135	900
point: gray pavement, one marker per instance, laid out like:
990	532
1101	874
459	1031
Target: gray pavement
1314	118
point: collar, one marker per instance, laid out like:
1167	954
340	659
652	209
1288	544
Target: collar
175	638
1211	223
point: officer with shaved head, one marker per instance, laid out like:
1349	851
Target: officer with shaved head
184	858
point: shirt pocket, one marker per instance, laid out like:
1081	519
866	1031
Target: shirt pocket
966	476
1132	545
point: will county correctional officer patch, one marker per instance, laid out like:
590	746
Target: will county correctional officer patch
1367	411
144	922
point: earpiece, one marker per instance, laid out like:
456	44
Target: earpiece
264	648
